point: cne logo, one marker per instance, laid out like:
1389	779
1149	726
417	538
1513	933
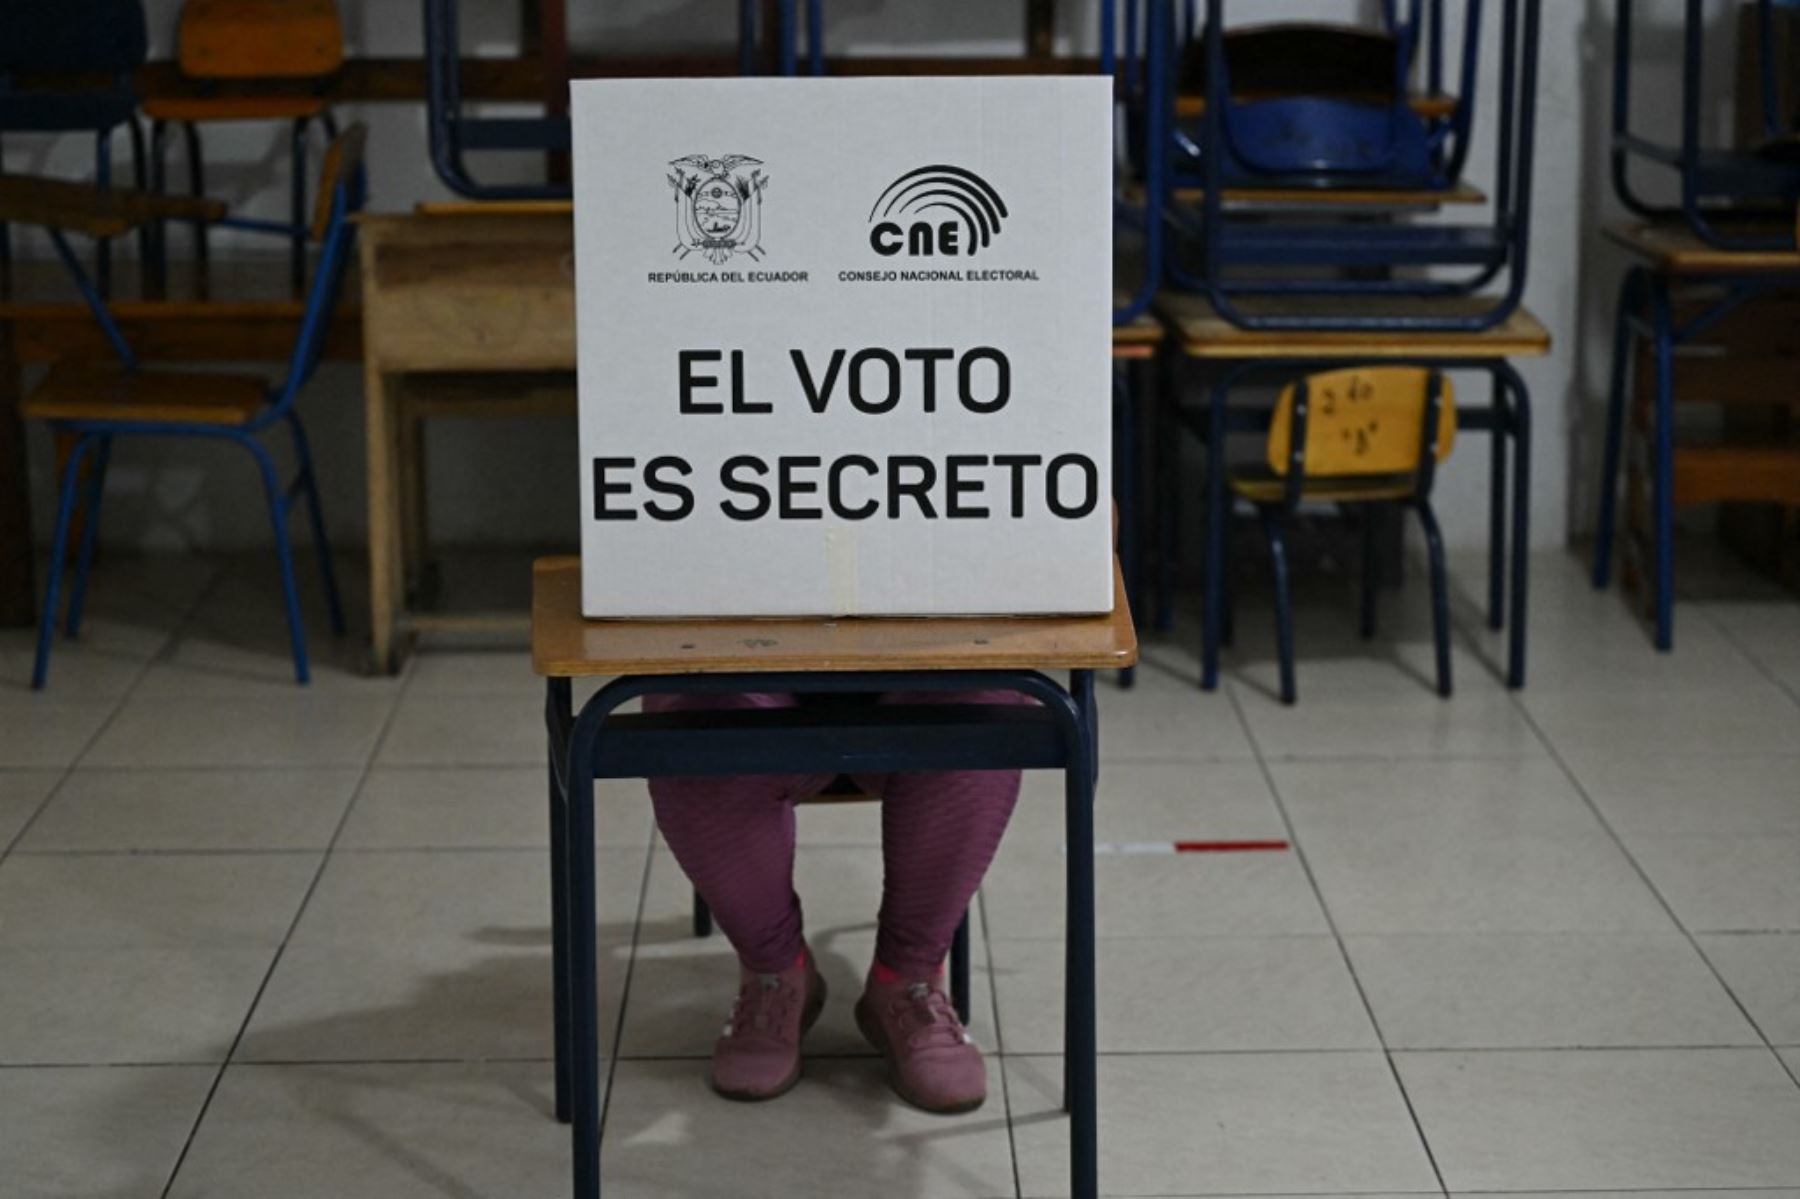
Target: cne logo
936	211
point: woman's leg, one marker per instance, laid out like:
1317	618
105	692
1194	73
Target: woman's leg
734	837
939	832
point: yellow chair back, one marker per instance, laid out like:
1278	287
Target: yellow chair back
260	39
1362	421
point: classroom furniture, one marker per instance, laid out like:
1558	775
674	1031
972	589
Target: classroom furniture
1675	298
1237	355
292	42
65	67
1357	438
810	657
97	403
1740	199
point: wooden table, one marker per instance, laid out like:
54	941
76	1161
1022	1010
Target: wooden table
813	657
241	311
470	308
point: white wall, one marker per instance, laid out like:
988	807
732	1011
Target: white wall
515	481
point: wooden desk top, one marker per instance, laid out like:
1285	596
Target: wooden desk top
1205	334
1673	249
1431	106
564	645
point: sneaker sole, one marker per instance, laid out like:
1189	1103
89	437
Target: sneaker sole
810	1017
872	1032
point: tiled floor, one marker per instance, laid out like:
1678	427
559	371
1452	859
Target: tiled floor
256	941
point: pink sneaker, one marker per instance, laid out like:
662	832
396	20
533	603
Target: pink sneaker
758	1054
933	1063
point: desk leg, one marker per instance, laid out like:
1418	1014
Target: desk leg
18	600
584	1023
1520	423
382	418
1497	437
1079	1066
1216	516
558	701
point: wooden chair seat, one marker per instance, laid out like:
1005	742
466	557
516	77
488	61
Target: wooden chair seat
95	211
235	108
1260	485
105	391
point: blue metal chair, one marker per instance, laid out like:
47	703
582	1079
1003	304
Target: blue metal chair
96	403
1722	191
1236	252
47	51
454	133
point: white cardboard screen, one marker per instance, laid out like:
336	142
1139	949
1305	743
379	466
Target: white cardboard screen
844	346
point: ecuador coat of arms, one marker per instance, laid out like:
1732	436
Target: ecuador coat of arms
718	206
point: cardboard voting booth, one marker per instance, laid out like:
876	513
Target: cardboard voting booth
844	346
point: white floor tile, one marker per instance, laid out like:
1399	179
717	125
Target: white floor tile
418	1131
1188	995
1761	970
839	890
667	1134
111	901
1754	718
1484	724
1537	991
1245	894
1646	796
77	1006
46	731
433	730
303	728
160	810
496	672
101	664
1165	717
498	898
1597	658
1156	801
1627	1119
481	807
83	1133
1226	1124
1726	884
22	792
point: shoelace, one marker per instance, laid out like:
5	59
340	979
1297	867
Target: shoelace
927	1019
766	1003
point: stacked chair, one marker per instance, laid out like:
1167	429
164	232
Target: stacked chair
1294	190
65	67
1705	310
293	46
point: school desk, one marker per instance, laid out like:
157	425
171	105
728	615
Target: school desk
810	656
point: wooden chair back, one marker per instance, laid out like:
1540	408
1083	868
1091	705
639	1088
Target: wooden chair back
1362	421
342	160
260	39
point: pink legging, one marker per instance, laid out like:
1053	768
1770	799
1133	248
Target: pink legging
735	839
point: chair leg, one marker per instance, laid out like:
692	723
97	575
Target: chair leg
1497	452
59	554
196	164
1440	594
1371	571
103	180
90	533
1227	591
1662	460
140	179
558	698
959	971
5	234
157	268
315	513
1284	606
297	191
703	921
1616	403
284	551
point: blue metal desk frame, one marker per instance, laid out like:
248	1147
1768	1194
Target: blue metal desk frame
1648	290
1060	732
1508	418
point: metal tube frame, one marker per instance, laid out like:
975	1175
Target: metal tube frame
1059	732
